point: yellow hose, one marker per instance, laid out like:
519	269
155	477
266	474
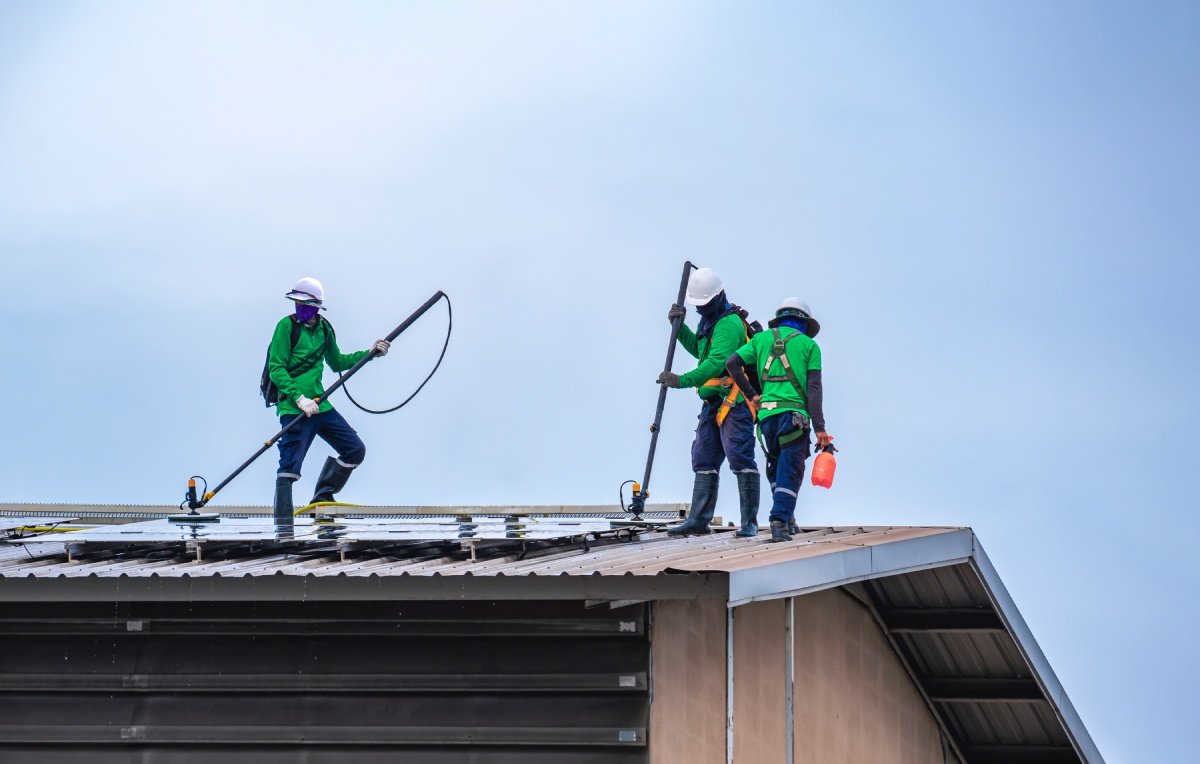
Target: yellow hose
316	504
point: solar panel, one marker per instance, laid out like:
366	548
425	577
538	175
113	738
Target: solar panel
370	531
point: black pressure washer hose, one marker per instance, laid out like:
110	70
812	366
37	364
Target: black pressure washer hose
195	503
420	387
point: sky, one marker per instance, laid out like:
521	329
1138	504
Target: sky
991	207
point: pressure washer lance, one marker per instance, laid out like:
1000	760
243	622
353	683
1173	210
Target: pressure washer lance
196	503
641	491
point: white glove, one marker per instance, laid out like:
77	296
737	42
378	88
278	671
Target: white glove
381	347
307	405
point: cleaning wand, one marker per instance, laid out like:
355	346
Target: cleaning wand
196	502
641	491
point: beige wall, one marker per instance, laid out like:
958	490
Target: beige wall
854	700
687	708
759	683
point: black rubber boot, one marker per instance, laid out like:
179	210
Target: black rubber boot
704	504
283	500
748	493
793	528
332	479
779	531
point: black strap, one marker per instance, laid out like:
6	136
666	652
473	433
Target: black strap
313	358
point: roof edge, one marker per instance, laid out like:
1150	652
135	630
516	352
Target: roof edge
1053	690
860	563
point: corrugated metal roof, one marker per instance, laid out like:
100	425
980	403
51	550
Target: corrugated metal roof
652	554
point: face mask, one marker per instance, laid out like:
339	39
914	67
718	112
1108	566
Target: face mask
714	307
306	313
796	322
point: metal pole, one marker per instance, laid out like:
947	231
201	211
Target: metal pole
638	502
340	381
729	685
789	677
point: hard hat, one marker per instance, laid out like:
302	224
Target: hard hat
794	306
307	289
704	285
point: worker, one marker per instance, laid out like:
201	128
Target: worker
788	365
726	428
302	344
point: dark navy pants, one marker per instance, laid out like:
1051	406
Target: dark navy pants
785	468
331	428
733	440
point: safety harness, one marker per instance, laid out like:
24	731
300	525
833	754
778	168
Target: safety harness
779	352
730	399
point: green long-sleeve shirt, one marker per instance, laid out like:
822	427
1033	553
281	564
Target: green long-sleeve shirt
282	358
728	335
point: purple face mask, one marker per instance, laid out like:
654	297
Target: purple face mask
306	313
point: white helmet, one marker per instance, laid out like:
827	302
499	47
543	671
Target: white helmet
794	306
704	285
306	289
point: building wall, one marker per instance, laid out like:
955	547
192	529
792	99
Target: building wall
759	683
687	701
854	702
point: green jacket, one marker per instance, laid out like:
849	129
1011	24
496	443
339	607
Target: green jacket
803	354
282	358
727	336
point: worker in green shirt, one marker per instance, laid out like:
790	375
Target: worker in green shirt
300	347
790	406
726	427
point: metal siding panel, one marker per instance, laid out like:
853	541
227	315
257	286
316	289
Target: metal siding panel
163	684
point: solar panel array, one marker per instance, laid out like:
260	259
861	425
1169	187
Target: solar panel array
388	535
365	529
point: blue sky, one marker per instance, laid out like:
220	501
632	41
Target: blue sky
991	208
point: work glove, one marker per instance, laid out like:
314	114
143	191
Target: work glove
381	347
307	405
668	378
676	311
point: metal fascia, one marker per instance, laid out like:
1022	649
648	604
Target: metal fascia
1019	630
811	574
356	588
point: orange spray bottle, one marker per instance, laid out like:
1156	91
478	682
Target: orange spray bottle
824	466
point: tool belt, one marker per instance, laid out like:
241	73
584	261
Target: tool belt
800	433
